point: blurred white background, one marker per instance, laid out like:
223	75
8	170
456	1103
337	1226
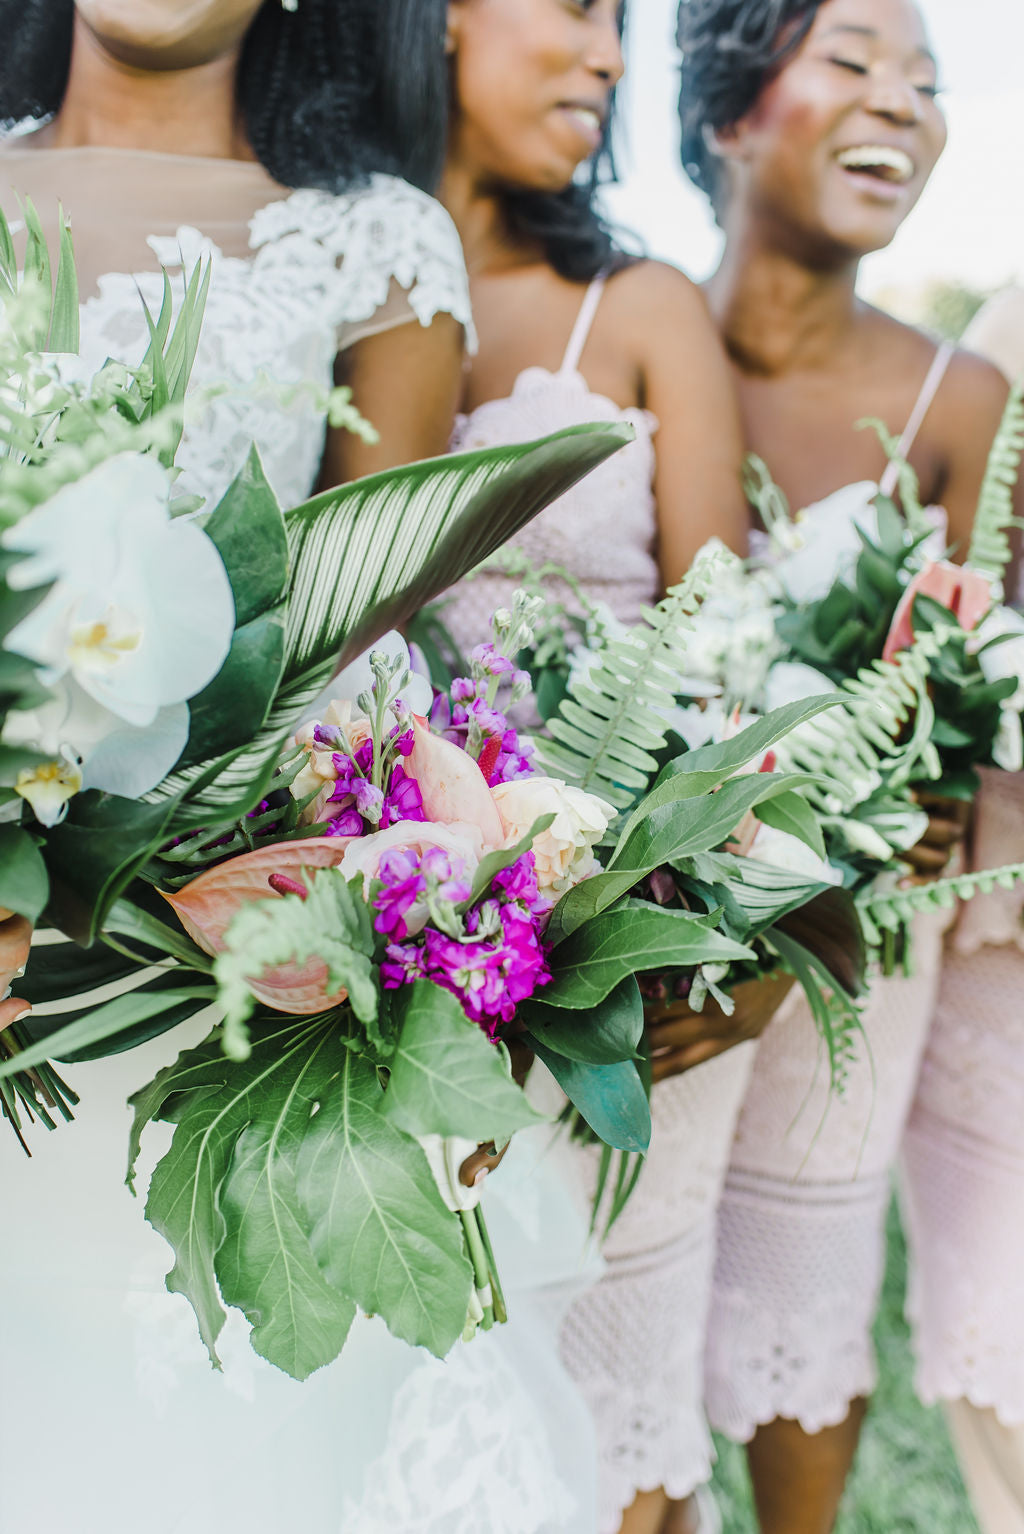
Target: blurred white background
969	226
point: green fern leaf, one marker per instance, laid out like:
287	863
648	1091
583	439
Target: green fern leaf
990	544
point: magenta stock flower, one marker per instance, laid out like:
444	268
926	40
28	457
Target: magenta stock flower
403	885
404	800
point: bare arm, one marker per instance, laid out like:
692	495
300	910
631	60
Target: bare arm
406	382
687	385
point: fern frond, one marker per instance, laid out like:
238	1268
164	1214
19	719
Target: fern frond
861	744
766	497
890	910
990	545
608	730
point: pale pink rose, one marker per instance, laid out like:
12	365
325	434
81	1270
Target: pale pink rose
966	593
452	786
207	906
564	853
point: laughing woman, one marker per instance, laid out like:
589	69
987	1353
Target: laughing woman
813	126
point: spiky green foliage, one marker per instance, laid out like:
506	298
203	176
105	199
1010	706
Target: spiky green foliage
882	735
608	731
990	550
891	910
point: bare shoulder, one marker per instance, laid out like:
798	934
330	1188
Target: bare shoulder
973	396
661	304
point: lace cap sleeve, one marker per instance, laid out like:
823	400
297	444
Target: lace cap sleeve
387	254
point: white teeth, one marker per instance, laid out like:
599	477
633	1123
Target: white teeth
589	119
893	164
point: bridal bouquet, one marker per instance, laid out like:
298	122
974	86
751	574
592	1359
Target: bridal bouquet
925	662
155	653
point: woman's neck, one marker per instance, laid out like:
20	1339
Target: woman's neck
178	111
478	212
777	313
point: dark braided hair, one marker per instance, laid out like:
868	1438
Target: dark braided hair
329	93
731	49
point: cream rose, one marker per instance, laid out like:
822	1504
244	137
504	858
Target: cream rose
564	853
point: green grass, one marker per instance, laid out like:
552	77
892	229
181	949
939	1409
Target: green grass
906	1479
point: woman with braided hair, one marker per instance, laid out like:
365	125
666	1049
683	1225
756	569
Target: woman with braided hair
813	126
290	146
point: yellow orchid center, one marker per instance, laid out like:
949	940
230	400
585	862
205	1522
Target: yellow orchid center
101	645
48	788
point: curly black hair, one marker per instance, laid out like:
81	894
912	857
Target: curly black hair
329	93
731	49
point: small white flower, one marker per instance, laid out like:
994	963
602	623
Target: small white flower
824	542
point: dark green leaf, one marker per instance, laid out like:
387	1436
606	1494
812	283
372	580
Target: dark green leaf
610	1097
610	1033
24	885
248	528
230	711
792	814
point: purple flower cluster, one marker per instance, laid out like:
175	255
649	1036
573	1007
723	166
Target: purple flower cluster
361	806
503	755
491	959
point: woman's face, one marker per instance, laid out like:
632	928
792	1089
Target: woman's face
167	34
839	146
533	86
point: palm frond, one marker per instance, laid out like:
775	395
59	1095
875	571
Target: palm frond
608	730
883	733
366	555
990	550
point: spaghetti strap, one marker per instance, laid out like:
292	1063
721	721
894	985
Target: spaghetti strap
932	384
584	323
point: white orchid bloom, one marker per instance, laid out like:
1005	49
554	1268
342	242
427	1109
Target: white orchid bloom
140	613
823	542
791	681
779	849
357	678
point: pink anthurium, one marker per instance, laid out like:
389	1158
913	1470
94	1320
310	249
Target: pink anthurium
453	788
207	905
965	593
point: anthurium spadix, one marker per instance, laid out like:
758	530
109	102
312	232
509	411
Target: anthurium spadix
137	620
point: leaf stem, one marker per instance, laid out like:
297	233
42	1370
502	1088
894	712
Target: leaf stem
481	1266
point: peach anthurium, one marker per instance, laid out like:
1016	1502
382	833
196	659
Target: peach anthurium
207	905
453	788
965	593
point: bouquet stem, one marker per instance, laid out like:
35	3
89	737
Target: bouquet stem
482	1275
500	1308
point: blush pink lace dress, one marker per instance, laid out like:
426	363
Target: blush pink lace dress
801	1235
634	1340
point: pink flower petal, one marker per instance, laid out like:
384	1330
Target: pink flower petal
965	593
207	906
452	785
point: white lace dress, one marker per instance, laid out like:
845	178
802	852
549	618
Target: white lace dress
111	1418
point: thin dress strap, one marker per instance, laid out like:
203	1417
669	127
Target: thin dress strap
932	384
584	323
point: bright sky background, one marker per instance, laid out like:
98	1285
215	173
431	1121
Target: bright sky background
968	226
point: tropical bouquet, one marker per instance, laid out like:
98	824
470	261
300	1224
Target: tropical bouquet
154	653
925	659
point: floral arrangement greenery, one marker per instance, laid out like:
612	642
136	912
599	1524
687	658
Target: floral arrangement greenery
154	655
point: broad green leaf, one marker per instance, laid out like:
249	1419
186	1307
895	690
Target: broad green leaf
610	1097
266	1266
673	831
212	1101
701	771
610	1033
792	814
102	1023
24	883
378	1226
247	526
232	708
366	555
446	1077
94	855
589	965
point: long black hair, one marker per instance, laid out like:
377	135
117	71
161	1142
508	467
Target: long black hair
731	49
329	92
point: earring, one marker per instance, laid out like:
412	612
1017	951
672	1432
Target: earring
290	5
